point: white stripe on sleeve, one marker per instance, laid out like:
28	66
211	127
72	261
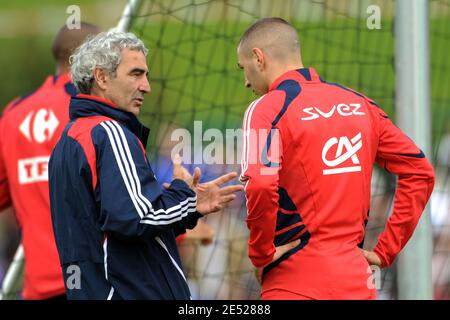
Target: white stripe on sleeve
130	177
121	169
133	166
247	134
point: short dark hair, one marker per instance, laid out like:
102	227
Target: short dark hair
67	40
274	34
262	24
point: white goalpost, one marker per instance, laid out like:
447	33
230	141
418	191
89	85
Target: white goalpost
13	280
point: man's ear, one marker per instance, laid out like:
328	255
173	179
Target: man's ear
258	55
100	78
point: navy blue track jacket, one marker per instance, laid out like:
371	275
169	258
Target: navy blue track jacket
115	228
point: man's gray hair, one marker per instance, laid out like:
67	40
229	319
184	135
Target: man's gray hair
102	51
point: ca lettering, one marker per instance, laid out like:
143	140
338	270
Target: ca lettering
351	147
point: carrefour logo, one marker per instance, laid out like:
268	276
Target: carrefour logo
346	149
40	126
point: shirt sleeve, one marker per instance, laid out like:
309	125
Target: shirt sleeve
132	203
399	155
261	162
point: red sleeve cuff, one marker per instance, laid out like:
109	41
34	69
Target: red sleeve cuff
260	262
384	262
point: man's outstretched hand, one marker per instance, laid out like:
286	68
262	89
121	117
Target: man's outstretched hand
211	196
180	172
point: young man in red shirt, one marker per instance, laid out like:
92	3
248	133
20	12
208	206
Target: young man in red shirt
309	148
29	129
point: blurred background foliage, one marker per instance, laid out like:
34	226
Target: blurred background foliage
27	28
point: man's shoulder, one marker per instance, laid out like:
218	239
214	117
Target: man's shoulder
85	133
18	101
116	134
269	107
272	99
82	128
101	129
47	94
275	96
350	91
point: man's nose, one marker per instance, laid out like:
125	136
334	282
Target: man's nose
247	83
145	86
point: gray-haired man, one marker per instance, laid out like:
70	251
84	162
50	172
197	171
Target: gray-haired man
115	229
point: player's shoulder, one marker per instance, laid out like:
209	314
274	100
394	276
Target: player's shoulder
264	109
372	106
48	93
271	100
29	97
17	102
350	91
287	90
281	97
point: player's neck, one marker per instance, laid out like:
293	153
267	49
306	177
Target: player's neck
289	66
62	69
282	69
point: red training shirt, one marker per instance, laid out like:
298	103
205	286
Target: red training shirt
29	129
309	148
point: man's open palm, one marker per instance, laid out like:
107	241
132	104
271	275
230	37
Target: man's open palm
211	197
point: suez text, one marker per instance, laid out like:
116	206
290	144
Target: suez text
342	109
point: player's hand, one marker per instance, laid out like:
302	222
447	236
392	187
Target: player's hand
211	197
202	232
279	251
371	257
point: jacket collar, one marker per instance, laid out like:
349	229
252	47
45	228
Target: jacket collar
301	75
83	105
59	79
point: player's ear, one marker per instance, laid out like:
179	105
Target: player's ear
100	78
259	57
